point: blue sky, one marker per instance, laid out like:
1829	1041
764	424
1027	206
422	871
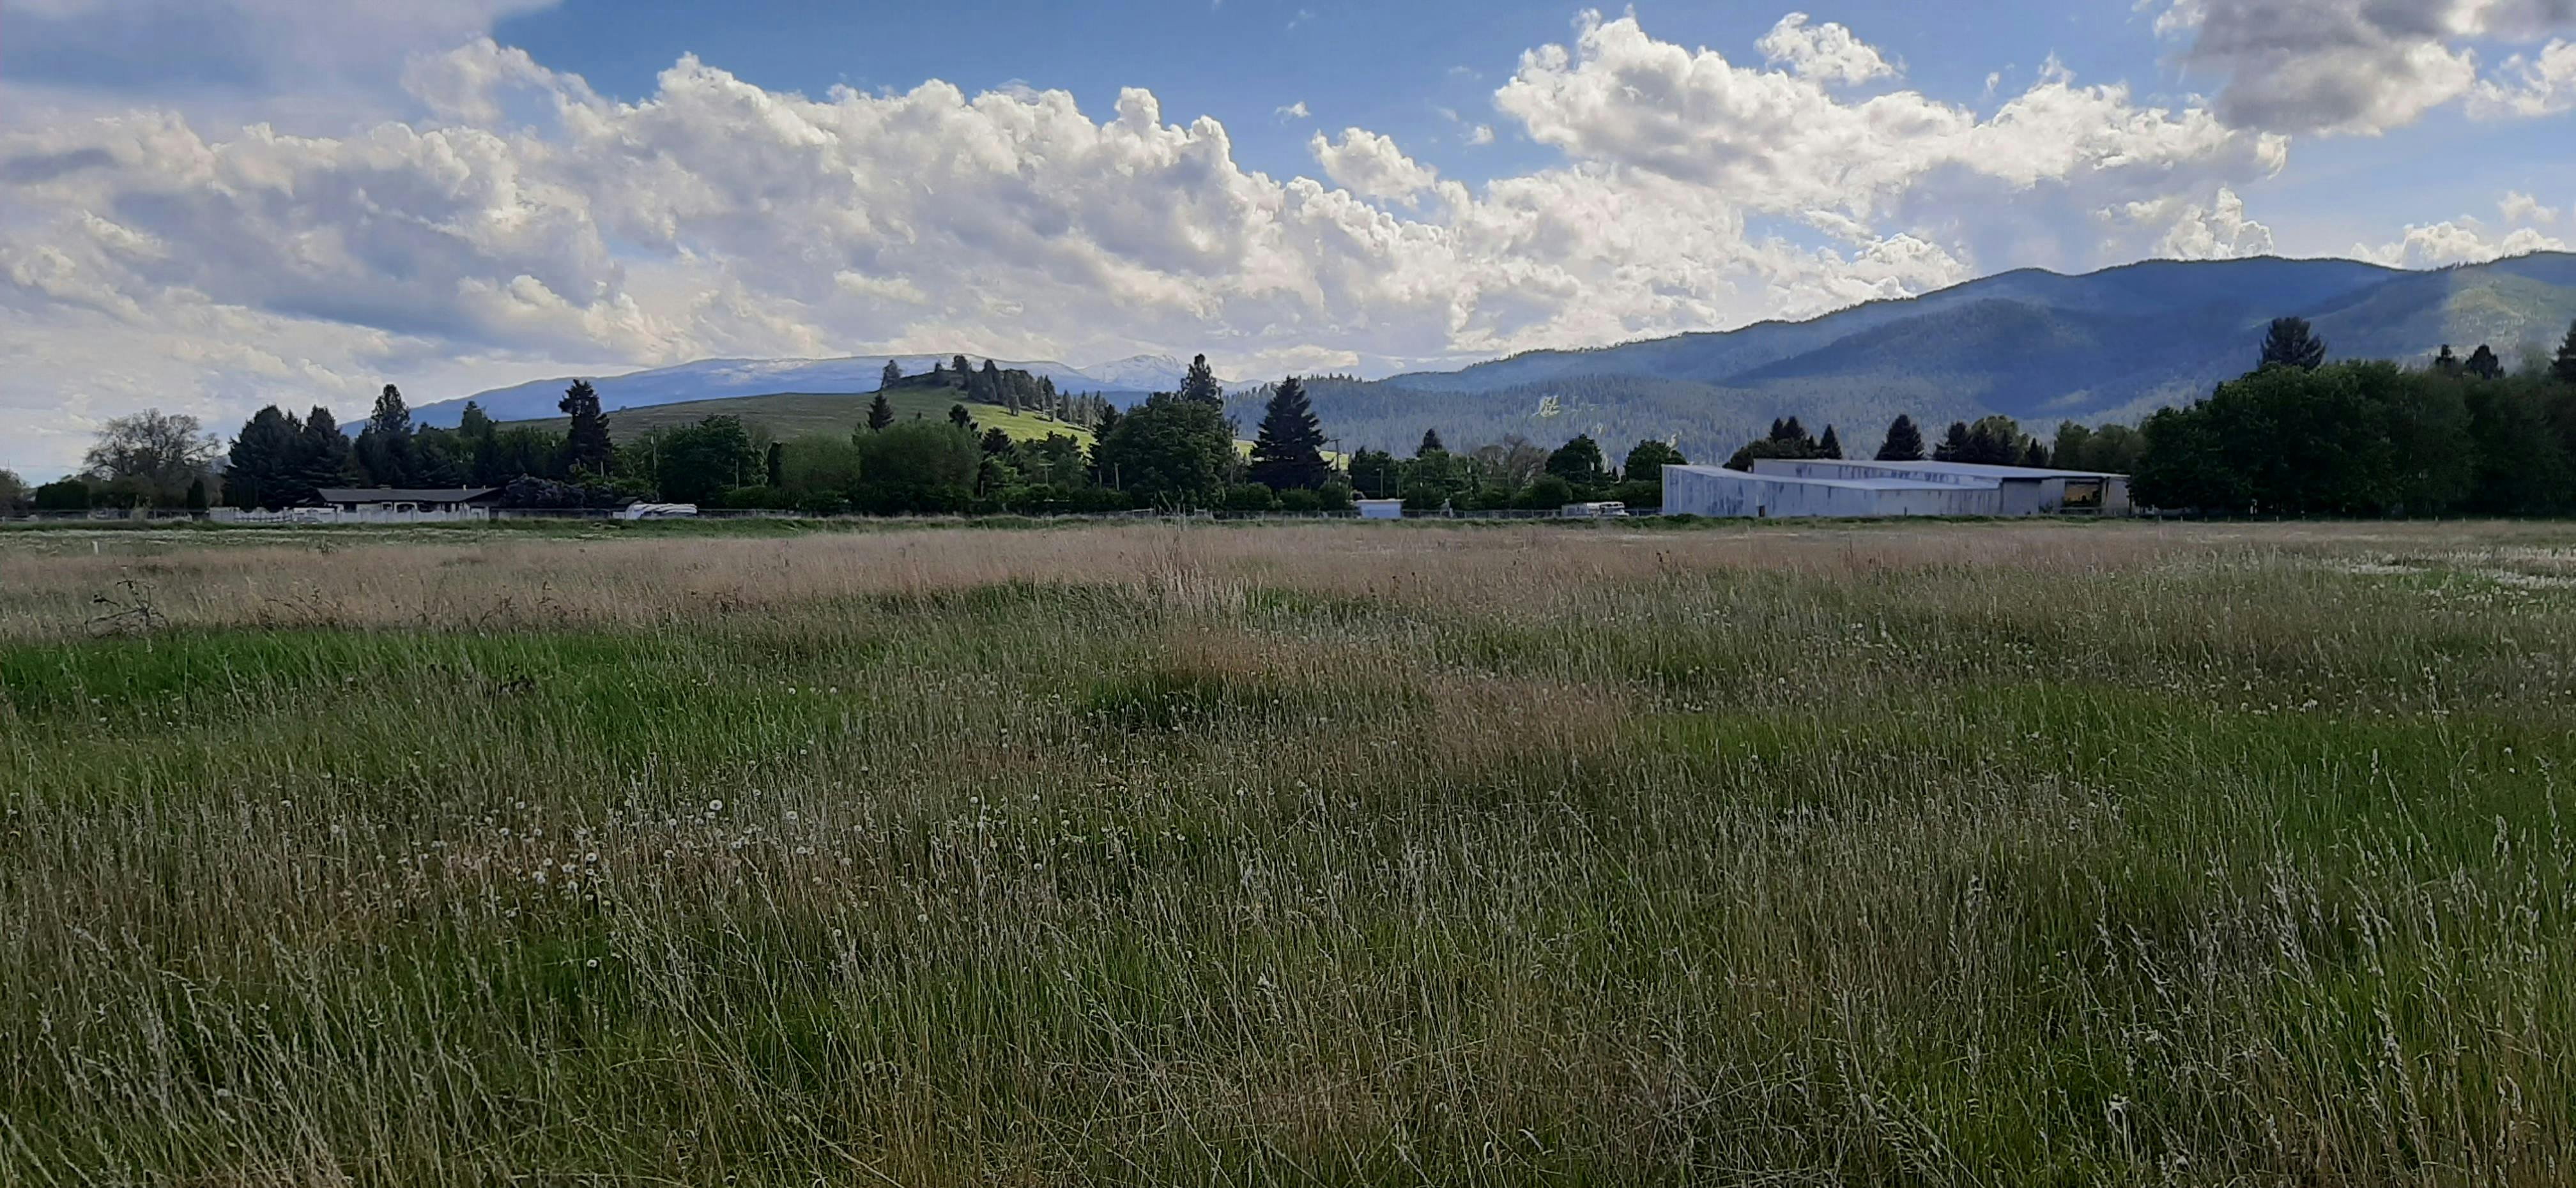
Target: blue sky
214	204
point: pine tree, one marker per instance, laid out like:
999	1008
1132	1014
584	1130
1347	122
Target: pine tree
1831	446
774	468
958	416
1793	431
2035	455
2563	368
385	449
880	412
323	457
2446	362
1430	444
1200	384
2292	343
474	424
1288	454
196	497
260	470
587	446
995	442
2484	364
1904	442
892	375
1955	446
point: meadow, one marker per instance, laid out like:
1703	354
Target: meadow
2000	854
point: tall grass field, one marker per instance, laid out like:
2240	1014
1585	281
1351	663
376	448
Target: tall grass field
2004	854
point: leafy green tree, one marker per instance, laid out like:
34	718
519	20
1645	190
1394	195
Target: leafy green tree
892	375
1994	441
1548	491
919	466
1904	442
2562	367
151	456
260	470
1579	463
880	412
474	424
1430	444
699	463
1831	446
2291	342
1289	453
2114	449
1647	460
588	449
1376	474
1200	385
13	492
1172	451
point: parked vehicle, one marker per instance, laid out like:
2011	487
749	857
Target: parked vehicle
659	511
1594	511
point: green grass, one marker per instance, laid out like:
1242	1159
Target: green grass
1963	855
799	414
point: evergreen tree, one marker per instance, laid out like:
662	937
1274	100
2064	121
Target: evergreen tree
958	367
958	416
2035	455
195	500
2292	343
990	380
995	442
1288	454
937	374
2446	362
892	375
1790	430
1831	446
2484	365
385	451
1430	444
323	457
587	447
1780	431
774	467
1955	446
1200	384
1904	442
260	470
2563	368
880	412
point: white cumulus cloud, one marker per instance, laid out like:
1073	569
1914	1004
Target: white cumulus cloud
2350	66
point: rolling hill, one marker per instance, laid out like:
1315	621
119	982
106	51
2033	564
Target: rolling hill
798	414
2038	346
712	379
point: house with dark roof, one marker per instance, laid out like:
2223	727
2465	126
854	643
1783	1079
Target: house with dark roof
410	505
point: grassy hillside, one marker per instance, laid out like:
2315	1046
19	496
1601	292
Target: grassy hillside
799	414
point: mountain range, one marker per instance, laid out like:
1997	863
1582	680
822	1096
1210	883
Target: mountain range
717	379
2039	346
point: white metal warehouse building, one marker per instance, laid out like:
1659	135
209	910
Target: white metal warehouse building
1781	488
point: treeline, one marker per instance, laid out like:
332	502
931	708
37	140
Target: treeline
2302	436
1992	440
1514	473
1016	391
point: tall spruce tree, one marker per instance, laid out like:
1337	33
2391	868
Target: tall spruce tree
1904	442
892	375
323	457
1431	444
880	412
1955	445
2484	364
2563	368
2291	342
587	446
1289	453
2447	362
1200	384
958	416
260	470
386	453
1831	446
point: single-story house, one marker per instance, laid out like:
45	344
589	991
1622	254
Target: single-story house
410	505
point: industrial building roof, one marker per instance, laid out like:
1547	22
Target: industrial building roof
1867	484
1973	469
404	494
